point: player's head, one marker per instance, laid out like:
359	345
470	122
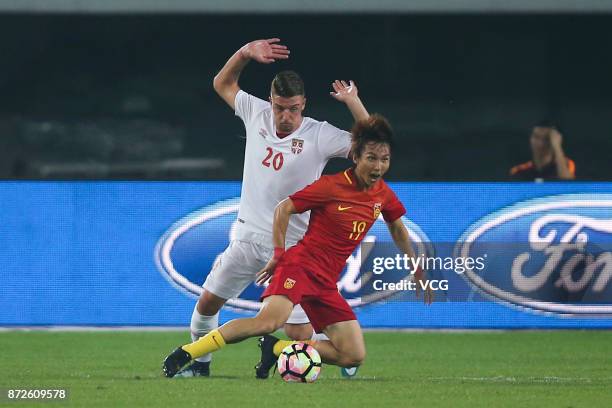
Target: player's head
288	101
371	148
539	139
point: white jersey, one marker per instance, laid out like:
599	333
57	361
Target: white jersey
275	168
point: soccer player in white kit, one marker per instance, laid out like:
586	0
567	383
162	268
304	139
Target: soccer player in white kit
285	152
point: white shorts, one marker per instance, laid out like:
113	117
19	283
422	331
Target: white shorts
236	268
298	316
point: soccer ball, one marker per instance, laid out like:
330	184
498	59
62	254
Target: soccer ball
299	362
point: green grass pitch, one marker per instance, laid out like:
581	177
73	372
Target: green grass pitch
431	369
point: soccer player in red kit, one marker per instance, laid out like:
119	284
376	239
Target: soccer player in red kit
343	208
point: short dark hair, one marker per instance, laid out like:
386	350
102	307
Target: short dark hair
375	129
288	84
546	123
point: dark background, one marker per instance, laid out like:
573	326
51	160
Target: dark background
85	96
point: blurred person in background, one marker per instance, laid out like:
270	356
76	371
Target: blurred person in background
549	161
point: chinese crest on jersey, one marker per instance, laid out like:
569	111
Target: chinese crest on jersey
297	145
377	210
289	283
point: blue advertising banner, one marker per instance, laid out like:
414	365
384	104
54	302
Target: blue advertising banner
136	253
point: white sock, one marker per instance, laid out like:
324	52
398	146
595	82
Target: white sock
319	336
200	326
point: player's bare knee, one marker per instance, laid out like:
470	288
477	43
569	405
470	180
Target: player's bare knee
352	359
351	362
298	331
358	360
268	325
209	304
264	326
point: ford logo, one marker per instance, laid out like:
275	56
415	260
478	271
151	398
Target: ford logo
551	254
188	249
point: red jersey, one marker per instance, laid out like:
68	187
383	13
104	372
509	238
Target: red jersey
340	216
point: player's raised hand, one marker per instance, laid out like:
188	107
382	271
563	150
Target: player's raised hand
266	273
344	92
265	51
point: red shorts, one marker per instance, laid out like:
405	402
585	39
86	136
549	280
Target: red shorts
323	306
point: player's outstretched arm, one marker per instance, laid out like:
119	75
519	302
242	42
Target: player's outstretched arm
400	236
349	94
279	231
263	51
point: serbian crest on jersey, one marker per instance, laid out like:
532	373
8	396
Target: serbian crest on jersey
297	145
377	210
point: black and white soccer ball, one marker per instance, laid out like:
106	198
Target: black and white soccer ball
299	362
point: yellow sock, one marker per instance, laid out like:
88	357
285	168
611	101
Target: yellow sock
281	344
213	341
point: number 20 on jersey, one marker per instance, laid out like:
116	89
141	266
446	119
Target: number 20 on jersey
274	160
